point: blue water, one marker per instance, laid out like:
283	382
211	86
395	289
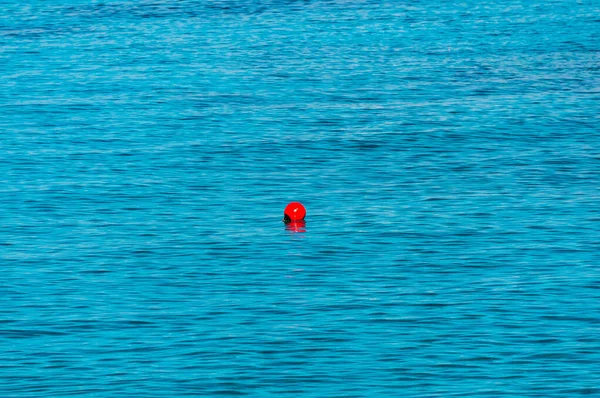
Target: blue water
448	154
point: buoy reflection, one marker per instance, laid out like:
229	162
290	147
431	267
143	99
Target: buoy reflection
296	226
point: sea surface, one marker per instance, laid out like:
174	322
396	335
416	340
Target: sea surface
448	154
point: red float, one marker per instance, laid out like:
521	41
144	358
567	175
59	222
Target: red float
294	211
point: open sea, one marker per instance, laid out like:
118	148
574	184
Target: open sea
448	155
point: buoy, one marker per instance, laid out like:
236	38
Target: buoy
294	211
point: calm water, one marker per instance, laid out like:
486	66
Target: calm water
448	155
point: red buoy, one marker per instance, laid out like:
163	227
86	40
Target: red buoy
294	211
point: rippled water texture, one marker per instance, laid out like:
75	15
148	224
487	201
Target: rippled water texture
448	154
